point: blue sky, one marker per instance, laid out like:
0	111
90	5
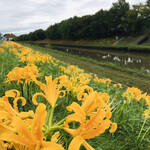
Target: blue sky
24	16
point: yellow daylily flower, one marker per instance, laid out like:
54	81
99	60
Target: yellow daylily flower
8	110
82	95
133	93
98	112
15	75
52	89
31	137
20	74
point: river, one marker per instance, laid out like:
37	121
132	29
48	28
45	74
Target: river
132	60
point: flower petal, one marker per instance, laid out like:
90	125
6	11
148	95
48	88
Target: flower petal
73	132
12	93
5	128
23	130
39	120
90	102
95	120
11	137
34	98
76	143
74	117
113	128
77	109
16	100
87	146
99	130
2	145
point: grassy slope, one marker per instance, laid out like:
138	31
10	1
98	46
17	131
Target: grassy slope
125	78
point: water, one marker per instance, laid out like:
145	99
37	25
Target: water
131	60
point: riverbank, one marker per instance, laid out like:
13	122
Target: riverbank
128	44
116	74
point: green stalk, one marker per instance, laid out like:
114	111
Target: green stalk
28	93
51	117
48	132
144	134
47	118
56	127
66	106
22	93
142	128
61	121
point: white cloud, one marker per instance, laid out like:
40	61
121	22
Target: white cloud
37	1
19	17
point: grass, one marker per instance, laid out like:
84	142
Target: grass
127	112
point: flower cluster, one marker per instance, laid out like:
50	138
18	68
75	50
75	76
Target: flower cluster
102	80
22	74
27	54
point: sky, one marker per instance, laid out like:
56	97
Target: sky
24	16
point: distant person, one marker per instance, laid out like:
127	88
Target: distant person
117	38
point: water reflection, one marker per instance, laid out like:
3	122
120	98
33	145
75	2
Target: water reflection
131	60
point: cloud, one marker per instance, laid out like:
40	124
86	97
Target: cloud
21	17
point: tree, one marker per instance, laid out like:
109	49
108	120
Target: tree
40	34
99	24
69	28
84	27
148	3
136	20
116	12
11	36
53	32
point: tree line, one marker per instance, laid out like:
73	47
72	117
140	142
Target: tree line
120	19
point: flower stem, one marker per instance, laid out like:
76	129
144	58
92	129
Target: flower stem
48	132
61	121
142	128
21	85
144	134
22	93
51	117
28	93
